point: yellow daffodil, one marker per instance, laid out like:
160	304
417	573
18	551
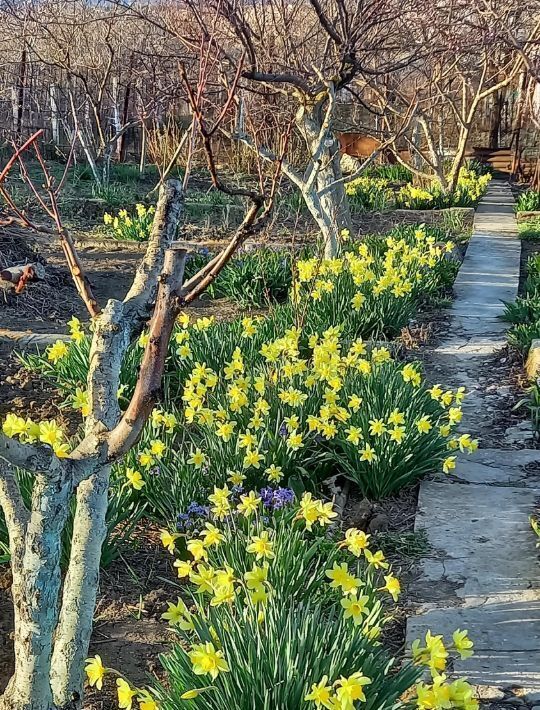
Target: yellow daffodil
57	351
351	689
197	458
341	578
248	504
376	559
463	644
183	568
206	660
95	671
355	607
392	586
125	693
252	459
321	694
197	548
261	546
168	540
356	541
135	479
274	473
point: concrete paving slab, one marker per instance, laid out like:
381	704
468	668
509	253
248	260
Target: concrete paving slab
501	468
482	536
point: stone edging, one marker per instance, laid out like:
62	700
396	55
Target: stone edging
526	216
24	340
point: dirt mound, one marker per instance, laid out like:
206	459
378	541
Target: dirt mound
45	301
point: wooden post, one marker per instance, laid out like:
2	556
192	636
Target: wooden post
55	123
116	112
18	112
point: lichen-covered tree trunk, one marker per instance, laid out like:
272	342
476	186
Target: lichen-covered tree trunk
36	584
51	643
334	202
80	589
325	198
323	213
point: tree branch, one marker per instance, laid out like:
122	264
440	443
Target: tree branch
28	456
142	293
127	432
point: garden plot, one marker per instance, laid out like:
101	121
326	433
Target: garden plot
275	410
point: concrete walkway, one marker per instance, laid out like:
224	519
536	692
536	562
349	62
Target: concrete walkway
483	570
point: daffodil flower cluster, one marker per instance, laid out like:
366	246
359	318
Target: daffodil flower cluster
374	292
316	400
342	694
440	694
215	552
469	189
181	337
434	655
136	226
126	693
369	194
29	432
246	566
152	448
59	349
414	197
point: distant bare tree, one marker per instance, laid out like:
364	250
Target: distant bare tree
296	59
467	63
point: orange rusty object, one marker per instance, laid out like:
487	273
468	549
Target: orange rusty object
19	276
358	145
28	274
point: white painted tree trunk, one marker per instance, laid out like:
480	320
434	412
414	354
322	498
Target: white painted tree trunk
116	112
55	123
14	108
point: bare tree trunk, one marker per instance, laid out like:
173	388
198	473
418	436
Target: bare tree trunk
330	206
36	584
496	116
21	92
89	157
123	140
323	216
458	159
80	589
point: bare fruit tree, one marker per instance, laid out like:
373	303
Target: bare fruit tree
295	61
53	621
466	66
